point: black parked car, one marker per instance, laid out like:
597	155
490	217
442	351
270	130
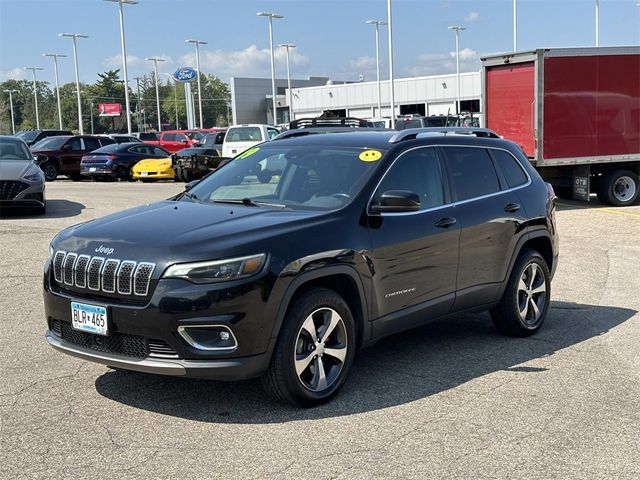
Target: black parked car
117	160
31	137
364	234
194	163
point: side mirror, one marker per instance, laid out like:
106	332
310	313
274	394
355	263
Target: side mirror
66	146
188	186
397	201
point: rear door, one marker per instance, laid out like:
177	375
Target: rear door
415	255
489	214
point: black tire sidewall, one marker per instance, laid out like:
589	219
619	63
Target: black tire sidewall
50	170
523	262
608	187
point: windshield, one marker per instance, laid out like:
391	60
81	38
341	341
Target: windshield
305	178
11	149
51	143
244	134
27	135
194	135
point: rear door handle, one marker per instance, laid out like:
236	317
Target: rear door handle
511	207
445	222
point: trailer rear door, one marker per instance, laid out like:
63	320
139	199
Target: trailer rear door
510	94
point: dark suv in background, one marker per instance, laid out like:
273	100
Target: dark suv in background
361	235
31	137
62	155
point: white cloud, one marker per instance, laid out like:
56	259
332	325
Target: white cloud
363	63
443	63
251	61
472	17
115	61
13	74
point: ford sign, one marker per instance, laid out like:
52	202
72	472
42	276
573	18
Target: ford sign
185	74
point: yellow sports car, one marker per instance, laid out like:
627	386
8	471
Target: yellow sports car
153	169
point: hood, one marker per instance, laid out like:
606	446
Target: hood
168	231
15	169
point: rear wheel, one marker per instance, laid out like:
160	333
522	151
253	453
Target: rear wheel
619	188
50	170
186	175
178	176
525	302
315	350
76	177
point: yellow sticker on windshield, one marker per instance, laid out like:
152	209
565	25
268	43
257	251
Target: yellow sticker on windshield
249	152
370	155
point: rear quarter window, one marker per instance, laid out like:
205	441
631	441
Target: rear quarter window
510	168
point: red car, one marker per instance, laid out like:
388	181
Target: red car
174	140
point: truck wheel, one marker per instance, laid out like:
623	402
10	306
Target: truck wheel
619	188
186	176
525	302
50	170
179	174
314	352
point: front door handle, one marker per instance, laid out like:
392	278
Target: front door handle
445	222
511	207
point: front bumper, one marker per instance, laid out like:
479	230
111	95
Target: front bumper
164	174
29	194
224	369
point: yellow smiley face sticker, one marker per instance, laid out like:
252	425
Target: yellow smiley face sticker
370	155
249	152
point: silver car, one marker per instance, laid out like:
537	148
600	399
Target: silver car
21	180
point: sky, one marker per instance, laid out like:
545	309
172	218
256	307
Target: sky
332	37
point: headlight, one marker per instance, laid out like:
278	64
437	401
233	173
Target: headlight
217	270
33	177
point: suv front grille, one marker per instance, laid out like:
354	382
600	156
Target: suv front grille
116	343
100	275
9	189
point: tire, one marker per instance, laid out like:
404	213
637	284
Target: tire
186	176
41	210
315	309
129	175
179	175
50	170
619	188
520	295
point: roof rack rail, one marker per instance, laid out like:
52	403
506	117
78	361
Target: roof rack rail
412	133
323	122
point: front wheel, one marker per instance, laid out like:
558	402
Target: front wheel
50	170
314	352
525	302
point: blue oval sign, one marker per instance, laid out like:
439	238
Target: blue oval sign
185	74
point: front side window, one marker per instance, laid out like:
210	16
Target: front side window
170	137
304	178
472	172
417	171
272	132
75	144
510	168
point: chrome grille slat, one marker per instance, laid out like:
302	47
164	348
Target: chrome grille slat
100	274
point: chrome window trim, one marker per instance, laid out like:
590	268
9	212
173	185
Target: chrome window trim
133	269
93	259
148	283
75	271
115	274
182	330
459	202
73	267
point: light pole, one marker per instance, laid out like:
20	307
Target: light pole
391	86
377	23
287	46
458	29
155	61
197	44
597	23
271	16
175	96
137	79
515	25
124	58
74	37
13	123
35	93
55	57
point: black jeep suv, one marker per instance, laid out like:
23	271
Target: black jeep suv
358	236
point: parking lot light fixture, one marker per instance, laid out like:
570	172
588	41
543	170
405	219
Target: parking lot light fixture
35	93
457	29
55	57
391	85
377	23
13	122
197	43
287	46
155	61
123	46
271	16
74	37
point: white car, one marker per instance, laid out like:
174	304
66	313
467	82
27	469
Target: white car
241	137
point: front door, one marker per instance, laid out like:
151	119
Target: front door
414	255
71	155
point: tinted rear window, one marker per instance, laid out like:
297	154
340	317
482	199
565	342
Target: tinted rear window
510	168
472	172
244	134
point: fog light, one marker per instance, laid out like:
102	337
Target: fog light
209	337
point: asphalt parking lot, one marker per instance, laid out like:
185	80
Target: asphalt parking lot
450	400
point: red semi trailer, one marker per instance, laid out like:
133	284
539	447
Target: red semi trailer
576	114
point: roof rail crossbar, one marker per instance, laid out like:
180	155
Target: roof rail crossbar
412	133
336	121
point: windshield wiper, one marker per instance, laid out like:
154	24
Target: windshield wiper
247	202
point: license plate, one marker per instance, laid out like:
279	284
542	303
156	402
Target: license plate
92	169
89	318
144	174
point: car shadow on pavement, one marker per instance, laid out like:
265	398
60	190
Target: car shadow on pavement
55	209
397	370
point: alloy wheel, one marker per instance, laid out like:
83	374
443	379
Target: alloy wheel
532	294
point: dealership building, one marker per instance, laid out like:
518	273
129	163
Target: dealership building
432	95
